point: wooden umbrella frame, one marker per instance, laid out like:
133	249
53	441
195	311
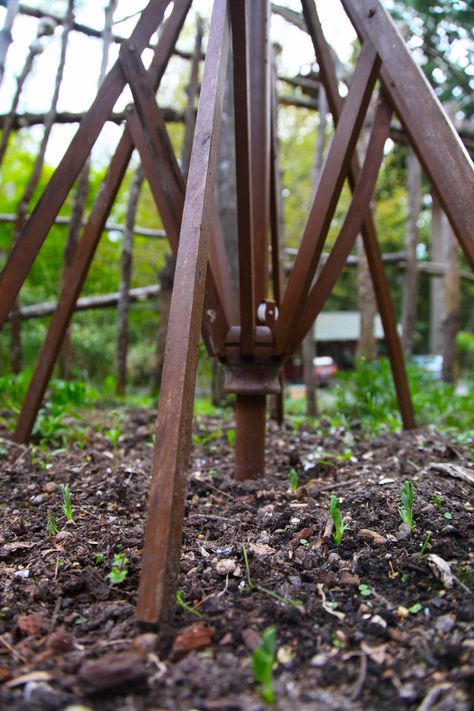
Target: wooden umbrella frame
254	337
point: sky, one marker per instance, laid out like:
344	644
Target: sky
84	55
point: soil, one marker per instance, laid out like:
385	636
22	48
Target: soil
368	624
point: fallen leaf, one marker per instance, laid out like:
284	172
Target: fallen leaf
441	569
194	637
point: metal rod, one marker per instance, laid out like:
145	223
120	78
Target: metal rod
250	424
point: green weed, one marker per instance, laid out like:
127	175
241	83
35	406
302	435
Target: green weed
263	660
180	601
119	571
339	525
406	509
293	480
66	506
52	524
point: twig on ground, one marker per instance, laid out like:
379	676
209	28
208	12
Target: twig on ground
359	685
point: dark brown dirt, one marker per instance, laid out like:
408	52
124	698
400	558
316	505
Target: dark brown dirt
68	636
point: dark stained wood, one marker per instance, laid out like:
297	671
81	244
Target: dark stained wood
438	146
31	239
79	267
160	566
351	227
245	188
327	194
369	234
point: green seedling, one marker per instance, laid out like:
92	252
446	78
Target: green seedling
113	435
424	545
438	502
231	436
180	601
66	506
406	509
293	480
52	524
263	659
415	609
339	525
365	590
119	570
253	586
448	515
99	559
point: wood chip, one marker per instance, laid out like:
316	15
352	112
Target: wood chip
372	536
441	569
112	671
261	549
194	637
454	470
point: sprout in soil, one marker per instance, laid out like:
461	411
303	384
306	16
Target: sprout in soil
119	570
66	506
406	509
263	659
293	480
339	525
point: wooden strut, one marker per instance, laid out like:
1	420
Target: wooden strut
160	565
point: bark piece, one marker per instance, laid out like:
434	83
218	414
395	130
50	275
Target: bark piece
192	638
112	671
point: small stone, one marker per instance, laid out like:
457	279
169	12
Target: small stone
403	532
145	643
319	660
226	566
445	623
39	499
62	535
377	620
113	670
50	486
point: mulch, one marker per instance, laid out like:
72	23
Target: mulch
367	624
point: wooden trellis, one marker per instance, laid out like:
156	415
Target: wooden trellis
254	337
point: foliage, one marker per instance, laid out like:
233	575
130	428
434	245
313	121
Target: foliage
442	38
339	525
263	659
406	508
66	506
180	601
119	571
293	479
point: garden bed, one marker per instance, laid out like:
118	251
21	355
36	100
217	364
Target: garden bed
371	623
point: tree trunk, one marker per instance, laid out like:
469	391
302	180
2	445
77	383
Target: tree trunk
80	195
125	280
309	345
410	291
6	34
437	305
226	184
192	94
366	302
452	316
164	303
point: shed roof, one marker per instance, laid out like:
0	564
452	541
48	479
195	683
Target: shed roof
343	326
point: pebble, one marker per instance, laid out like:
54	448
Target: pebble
445	623
62	535
225	566
39	499
403	532
50	486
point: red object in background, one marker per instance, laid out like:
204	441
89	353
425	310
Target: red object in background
324	369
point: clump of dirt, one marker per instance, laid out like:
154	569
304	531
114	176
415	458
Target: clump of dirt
372	623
